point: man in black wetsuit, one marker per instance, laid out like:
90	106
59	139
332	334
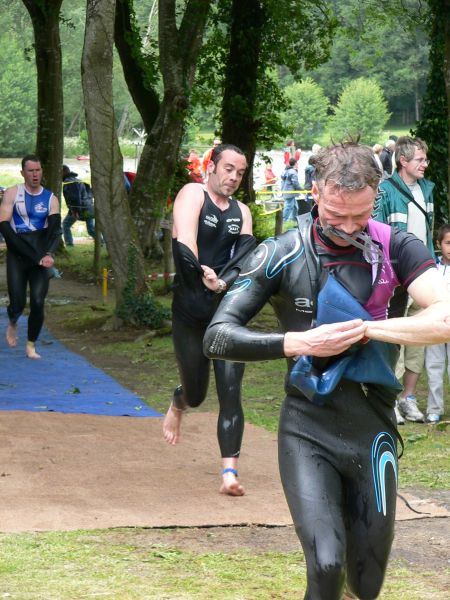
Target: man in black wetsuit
211	233
337	434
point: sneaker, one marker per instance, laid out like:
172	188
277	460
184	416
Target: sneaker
433	418
408	408
398	416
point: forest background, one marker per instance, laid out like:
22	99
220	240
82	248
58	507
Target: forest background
154	79
384	50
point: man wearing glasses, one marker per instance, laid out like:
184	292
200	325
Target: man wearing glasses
405	201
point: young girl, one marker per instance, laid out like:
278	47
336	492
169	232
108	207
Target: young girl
435	356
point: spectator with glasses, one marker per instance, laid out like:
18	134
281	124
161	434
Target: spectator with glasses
405	201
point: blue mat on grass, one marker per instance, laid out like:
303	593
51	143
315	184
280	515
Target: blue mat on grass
61	381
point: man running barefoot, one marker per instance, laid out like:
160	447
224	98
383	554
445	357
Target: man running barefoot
31	225
212	232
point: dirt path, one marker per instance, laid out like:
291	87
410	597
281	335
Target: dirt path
422	544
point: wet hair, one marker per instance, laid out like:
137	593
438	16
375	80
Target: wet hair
406	146
30	158
442	231
346	166
217	151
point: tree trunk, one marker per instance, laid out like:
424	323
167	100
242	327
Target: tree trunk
156	166
134	63
50	118
178	51
240	94
106	159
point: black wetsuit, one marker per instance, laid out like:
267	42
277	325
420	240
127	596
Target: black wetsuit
338	461
221	247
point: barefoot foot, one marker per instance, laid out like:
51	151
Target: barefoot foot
11	335
172	425
230	484
31	351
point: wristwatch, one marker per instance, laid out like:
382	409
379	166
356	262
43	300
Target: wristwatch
222	286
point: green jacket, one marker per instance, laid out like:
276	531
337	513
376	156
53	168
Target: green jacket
391	206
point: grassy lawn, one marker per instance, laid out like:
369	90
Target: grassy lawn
119	565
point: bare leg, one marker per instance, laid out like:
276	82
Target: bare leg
172	424
31	351
230	484
410	380
11	334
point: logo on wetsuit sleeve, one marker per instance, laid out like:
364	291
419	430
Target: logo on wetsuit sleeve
304	304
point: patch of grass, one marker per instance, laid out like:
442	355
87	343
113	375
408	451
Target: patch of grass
9	179
426	457
75	565
79	261
67	566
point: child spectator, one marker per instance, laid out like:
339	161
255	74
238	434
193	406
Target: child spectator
269	177
435	356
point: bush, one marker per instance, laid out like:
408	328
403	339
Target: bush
140	309
361	111
307	115
74	146
263	225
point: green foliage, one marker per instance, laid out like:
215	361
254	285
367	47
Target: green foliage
286	27
139	307
433	127
388	43
17	99
263	225
361	111
307	115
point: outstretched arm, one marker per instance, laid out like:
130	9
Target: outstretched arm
430	326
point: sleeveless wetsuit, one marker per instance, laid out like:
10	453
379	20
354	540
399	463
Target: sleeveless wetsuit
220	246
30	223
338	461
